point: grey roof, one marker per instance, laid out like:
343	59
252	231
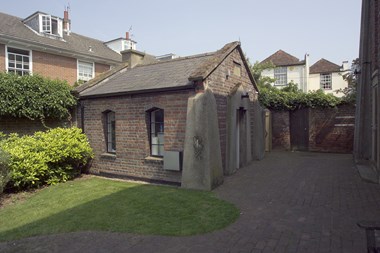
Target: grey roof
175	74
13	29
162	75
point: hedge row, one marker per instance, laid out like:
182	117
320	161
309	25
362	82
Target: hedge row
34	97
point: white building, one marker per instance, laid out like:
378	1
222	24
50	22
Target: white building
122	44
323	74
328	76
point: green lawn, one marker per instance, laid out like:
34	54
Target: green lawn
98	204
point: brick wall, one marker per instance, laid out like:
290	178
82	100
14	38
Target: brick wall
2	57
222	87
280	130
330	130
132	133
24	126
54	66
374	24
101	68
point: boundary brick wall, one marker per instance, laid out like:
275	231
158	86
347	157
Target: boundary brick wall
132	157
330	130
280	130
24	126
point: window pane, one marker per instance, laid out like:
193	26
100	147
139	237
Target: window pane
157	132
85	70
111	132
18	61
280	74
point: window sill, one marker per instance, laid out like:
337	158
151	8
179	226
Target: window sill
154	159
108	155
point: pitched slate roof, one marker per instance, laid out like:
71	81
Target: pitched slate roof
282	58
324	66
12	29
167	74
172	74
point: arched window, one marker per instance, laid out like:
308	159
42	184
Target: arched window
156	120
110	131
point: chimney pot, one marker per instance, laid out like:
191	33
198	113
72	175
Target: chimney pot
66	22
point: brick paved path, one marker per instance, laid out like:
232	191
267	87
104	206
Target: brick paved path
290	202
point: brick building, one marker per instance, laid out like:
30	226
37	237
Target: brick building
44	44
185	121
367	130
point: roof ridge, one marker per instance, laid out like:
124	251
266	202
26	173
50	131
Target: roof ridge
177	59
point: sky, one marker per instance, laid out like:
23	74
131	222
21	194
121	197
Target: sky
323	29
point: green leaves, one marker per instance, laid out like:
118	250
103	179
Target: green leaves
4	169
291	98
34	97
46	157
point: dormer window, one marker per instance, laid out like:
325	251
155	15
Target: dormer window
45	24
50	25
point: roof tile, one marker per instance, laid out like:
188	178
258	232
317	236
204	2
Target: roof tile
282	58
324	66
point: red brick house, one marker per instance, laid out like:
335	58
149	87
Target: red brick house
43	44
184	121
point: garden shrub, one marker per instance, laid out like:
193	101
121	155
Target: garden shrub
48	157
4	169
35	97
291	98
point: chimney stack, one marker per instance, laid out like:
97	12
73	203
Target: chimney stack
127	35
66	21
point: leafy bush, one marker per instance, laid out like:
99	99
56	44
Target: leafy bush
48	157
4	169
34	97
291	98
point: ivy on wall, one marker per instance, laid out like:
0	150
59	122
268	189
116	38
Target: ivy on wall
291	98
34	97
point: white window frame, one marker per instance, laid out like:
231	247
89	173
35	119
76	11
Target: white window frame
79	77
49	25
157	138
30	71
326	81
281	76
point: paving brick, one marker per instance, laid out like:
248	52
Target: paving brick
263	191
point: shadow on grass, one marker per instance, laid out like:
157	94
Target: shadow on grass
143	209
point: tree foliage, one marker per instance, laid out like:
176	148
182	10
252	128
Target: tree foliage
34	97
349	93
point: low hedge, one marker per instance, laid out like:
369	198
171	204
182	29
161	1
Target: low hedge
4	169
46	158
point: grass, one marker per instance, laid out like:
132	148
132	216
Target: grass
96	204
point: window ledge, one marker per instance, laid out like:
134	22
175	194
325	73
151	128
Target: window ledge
153	158
108	155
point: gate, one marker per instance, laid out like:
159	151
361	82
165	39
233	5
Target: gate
299	129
